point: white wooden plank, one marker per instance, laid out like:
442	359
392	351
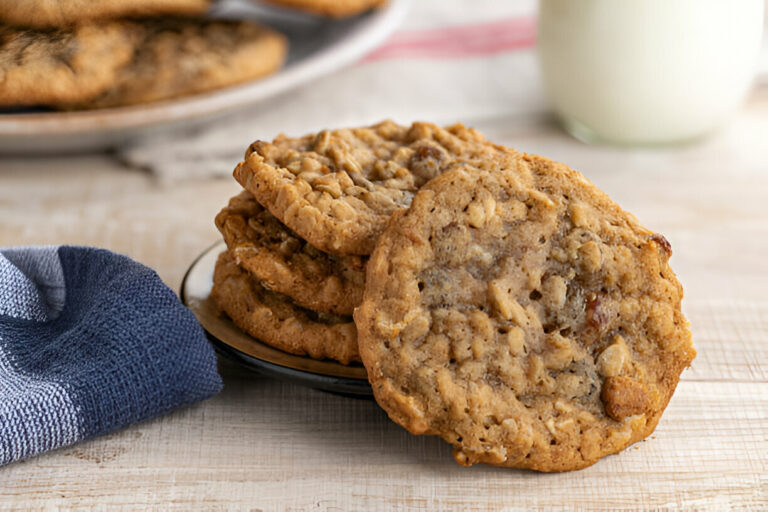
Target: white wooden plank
271	445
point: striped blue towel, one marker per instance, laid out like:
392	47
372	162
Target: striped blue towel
90	341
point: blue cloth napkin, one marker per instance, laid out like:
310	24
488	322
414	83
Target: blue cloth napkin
90	341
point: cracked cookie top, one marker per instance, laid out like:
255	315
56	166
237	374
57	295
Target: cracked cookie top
46	67
522	316
337	189
332	8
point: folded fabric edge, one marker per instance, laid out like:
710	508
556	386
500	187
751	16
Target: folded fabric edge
42	408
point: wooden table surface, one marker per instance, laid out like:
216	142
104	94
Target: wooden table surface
267	445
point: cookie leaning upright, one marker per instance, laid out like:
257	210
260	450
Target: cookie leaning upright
337	189
521	315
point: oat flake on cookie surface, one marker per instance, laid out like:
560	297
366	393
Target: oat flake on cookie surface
337	189
521	315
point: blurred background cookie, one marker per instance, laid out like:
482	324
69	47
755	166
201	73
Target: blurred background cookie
332	8
183	56
60	13
128	62
62	67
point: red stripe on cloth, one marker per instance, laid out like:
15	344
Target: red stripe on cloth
459	41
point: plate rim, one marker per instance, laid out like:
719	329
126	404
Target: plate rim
356	386
363	37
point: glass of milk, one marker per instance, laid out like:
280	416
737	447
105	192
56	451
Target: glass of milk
647	72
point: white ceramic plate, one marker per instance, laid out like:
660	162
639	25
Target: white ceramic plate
317	46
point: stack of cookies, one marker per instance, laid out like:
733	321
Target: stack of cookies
507	304
83	54
311	211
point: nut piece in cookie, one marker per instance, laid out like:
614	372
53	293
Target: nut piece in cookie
287	264
275	320
522	316
61	13
337	189
332	8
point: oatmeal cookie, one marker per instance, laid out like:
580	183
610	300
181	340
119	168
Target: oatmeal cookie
524	317
50	67
332	8
128	62
337	189
61	13
182	56
275	320
287	264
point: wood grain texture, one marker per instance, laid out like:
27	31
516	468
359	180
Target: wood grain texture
264	444
275	446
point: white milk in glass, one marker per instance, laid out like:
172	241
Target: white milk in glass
647	71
